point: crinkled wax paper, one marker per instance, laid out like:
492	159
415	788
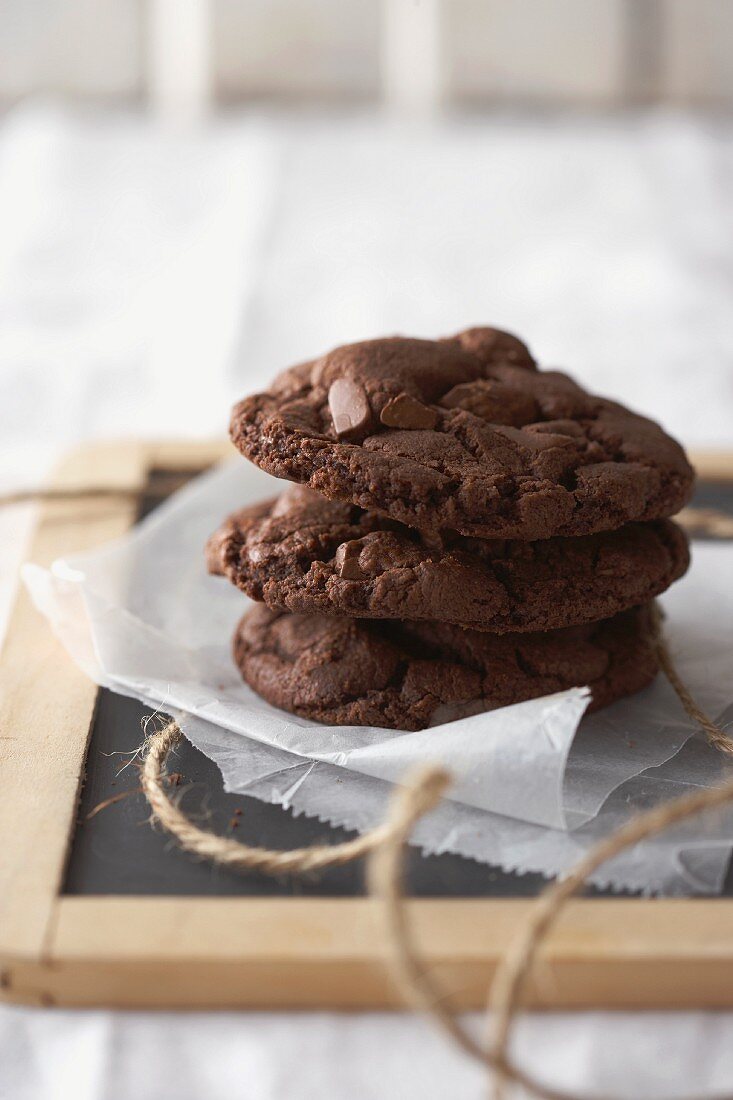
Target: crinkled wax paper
534	785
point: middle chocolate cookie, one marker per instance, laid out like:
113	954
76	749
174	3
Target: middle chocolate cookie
304	554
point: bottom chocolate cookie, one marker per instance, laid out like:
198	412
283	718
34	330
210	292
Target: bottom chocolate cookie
353	672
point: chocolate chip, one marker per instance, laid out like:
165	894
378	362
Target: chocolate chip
404	411
349	407
346	561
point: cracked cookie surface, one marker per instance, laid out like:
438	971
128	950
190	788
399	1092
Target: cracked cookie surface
462	434
304	553
410	675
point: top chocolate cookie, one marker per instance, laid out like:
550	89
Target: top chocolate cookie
462	434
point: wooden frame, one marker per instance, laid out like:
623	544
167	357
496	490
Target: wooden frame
266	952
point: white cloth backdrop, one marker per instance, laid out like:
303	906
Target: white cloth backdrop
147	278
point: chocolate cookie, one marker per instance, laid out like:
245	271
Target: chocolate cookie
304	553
411	675
462	434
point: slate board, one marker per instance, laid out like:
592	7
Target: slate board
116	852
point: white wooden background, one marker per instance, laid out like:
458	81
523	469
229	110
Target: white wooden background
588	52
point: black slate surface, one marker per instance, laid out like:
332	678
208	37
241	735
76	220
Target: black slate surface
116	851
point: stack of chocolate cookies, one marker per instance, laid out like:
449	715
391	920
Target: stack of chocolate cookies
466	532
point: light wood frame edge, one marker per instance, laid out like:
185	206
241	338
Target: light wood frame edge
223	952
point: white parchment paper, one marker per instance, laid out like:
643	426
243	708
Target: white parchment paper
534	785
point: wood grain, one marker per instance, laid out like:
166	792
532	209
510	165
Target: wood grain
290	953
46	707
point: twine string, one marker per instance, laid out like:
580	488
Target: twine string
515	967
714	735
226	851
420	794
385	876
384	845
513	971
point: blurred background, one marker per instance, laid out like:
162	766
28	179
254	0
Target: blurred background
197	193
